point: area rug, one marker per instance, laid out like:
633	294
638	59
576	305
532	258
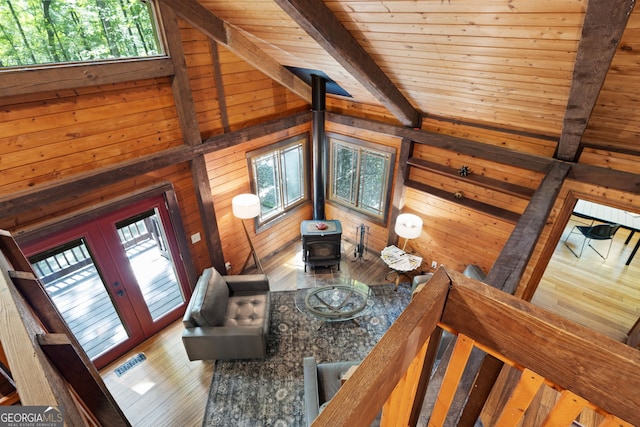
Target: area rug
269	392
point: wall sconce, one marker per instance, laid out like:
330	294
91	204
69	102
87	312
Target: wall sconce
247	206
408	226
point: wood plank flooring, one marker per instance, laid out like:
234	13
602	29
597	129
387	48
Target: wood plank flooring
167	389
603	295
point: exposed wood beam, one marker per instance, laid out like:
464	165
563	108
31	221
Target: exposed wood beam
233	39
207	212
464	146
217	75
180	87
619	180
512	261
399	186
73	76
321	24
604	23
506	274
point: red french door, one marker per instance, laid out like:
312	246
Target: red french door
116	280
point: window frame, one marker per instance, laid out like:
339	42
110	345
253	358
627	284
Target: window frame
361	146
277	149
159	36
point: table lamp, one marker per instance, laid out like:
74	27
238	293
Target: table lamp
408	226
247	206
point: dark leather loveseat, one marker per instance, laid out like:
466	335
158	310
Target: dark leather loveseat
227	317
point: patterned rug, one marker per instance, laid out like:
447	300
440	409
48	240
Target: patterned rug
269	392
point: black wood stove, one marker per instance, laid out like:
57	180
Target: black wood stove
321	241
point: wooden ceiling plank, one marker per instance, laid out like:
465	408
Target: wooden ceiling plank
604	23
322	25
234	40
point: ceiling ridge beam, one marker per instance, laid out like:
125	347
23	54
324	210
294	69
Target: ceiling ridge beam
323	26
604	24
233	39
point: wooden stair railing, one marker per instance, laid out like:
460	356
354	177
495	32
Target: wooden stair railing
586	369
48	365
8	391
633	336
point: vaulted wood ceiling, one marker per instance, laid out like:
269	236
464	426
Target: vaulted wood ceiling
565	69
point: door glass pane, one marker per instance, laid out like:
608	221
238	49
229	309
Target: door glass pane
75	285
146	247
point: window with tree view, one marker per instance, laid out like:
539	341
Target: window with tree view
360	176
278	175
61	31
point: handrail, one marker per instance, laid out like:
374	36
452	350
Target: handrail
549	348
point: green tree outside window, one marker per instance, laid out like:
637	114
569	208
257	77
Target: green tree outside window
34	32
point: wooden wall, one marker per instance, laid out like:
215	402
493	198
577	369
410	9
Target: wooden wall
51	137
48	138
202	79
378	232
229	176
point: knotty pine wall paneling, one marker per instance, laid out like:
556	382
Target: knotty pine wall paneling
229	176
49	139
54	136
626	162
542	145
250	96
454	235
346	107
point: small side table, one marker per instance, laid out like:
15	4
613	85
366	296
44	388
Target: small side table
399	261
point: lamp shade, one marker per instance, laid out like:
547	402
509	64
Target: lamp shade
408	226
245	206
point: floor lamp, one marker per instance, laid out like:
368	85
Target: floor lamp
247	206
408	226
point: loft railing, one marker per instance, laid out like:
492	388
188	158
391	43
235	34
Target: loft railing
585	369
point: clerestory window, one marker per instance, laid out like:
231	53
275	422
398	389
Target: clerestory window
360	175
34	32
279	176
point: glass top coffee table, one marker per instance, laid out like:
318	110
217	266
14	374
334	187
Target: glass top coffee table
345	299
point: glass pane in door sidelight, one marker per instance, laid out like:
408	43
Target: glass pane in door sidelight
76	286
145	244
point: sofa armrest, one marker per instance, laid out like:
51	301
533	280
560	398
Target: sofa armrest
311	398
248	282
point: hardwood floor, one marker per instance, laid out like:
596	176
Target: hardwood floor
603	295
167	389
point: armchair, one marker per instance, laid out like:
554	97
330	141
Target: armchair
321	383
227	317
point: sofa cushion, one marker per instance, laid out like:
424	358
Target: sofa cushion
474	272
211	312
247	310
